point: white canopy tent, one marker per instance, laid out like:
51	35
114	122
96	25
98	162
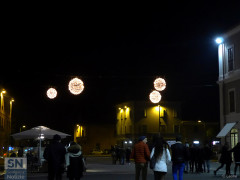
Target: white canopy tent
40	133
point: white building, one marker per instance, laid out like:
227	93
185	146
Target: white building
229	86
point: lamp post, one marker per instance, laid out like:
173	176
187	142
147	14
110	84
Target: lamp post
155	97
22	127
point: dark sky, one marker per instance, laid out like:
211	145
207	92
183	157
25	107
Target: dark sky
117	50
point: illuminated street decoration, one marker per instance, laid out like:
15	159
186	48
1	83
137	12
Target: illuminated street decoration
76	86
155	96
159	84
51	93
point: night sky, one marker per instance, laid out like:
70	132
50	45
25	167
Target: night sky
117	50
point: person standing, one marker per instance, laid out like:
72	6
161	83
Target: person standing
20	151
186	168
141	155
55	155
74	162
236	155
207	156
162	156
179	156
128	154
225	159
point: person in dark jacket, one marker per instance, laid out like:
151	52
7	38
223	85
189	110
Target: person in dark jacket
188	159
236	155
74	162
55	155
207	156
225	158
179	156
192	157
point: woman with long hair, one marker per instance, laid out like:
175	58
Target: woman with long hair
162	156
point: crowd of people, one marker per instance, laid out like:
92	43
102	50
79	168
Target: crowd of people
185	158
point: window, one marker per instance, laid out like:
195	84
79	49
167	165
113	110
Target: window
230	59
231	101
176	129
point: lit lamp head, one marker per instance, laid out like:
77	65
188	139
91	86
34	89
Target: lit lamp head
219	40
3	91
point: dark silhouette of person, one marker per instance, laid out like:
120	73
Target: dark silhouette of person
225	159
74	162
179	156
55	155
236	155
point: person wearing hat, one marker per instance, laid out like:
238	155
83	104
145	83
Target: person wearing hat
74	162
141	156
55	155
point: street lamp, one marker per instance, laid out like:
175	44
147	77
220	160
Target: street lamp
155	97
219	40
3	91
22	127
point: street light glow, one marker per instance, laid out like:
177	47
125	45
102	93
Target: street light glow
219	40
3	91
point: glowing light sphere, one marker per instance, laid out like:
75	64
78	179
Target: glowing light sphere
219	40
51	93
155	97
76	86
159	84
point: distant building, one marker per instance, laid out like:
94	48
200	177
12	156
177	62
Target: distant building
5	121
229	86
136	118
95	138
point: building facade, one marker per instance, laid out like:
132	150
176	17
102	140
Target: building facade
137	118
5	121
229	86
95	138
